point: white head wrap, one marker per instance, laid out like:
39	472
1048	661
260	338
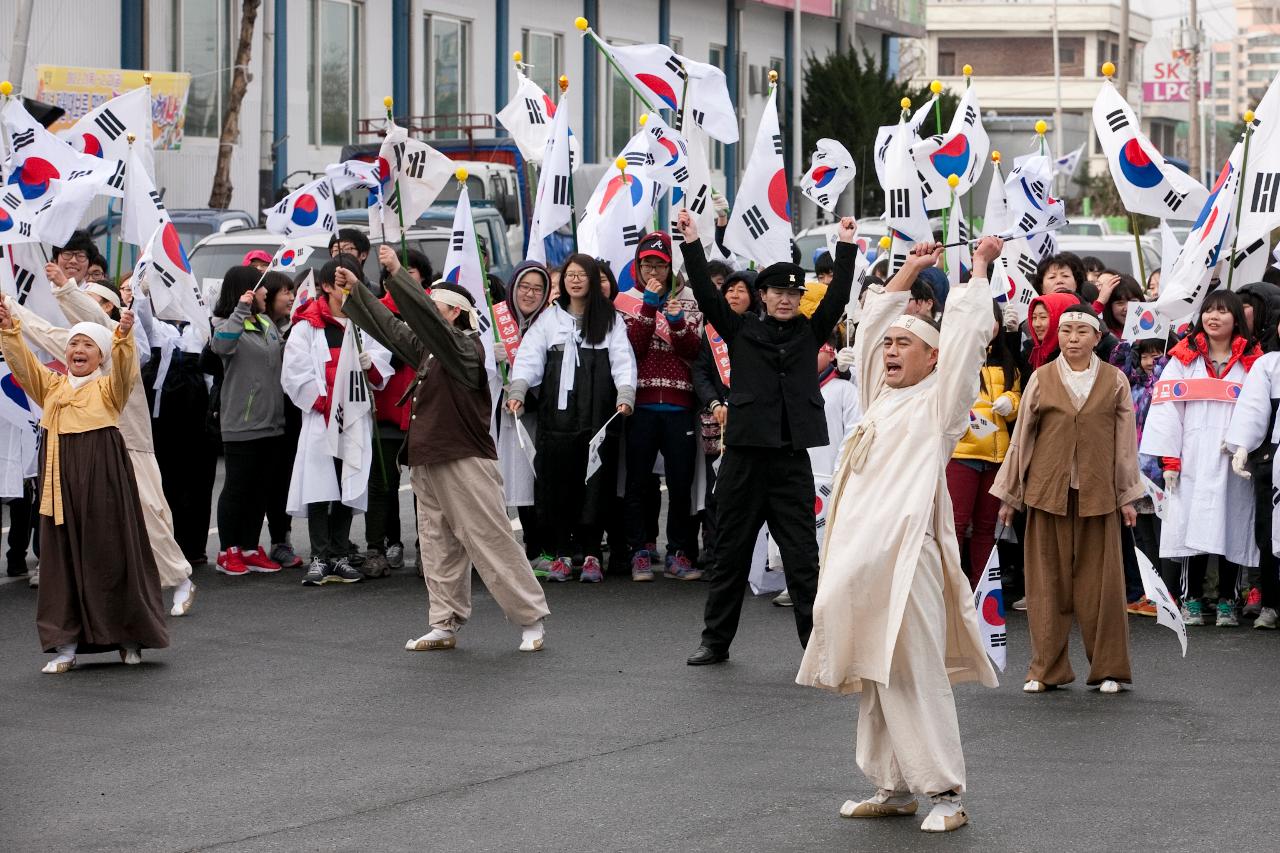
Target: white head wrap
104	292
1077	316
97	333
919	327
457	300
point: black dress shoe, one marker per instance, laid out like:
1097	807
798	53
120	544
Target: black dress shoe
704	656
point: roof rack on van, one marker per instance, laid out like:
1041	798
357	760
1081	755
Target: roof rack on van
455	124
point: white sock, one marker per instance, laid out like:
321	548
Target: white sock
66	652
182	592
945	805
437	634
532	632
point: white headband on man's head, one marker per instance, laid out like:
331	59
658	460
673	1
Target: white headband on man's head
104	292
1085	317
457	300
919	327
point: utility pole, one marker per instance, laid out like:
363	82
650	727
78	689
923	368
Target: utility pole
1194	152
21	35
1057	85
848	26
797	96
1122	74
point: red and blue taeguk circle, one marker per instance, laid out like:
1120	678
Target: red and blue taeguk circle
305	210
779	198
1137	167
993	608
33	177
823	175
952	158
173	247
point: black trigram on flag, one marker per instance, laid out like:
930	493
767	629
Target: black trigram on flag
883	151
970	116
23	138
165	275
110	125
11	201
159	203
925	186
993	574
356	390
1117	120
636	158
681	175
1027	266
1037	187
22	281
756	224
899	203
324	190
823	199
1275	496
392	200
1266	190
1173	200
998	639
1026	223
675	67
1025	296
117	177
630	235
899	256
327	223
457	241
699	203
417	165
339	412
699	116
777	144
24	229
1247	252
560	189
535	111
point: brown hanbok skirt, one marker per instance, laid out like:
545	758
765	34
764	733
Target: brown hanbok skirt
99	587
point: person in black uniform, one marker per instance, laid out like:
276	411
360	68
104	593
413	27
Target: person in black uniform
775	415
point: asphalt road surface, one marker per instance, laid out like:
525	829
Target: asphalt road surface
290	718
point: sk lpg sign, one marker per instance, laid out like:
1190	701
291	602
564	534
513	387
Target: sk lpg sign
1167	82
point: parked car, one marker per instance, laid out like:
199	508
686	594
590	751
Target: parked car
1117	252
217	253
1086	226
491	230
193	224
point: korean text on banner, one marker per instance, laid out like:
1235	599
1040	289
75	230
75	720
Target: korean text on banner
79	90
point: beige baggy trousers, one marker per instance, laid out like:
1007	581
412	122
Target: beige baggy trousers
172	565
462	522
908	734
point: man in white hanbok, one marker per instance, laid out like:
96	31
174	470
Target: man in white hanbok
894	617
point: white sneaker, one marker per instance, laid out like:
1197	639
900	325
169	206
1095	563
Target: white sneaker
947	814
437	639
1020	604
1267	619
1034	687
884	803
64	662
533	637
131	657
184	595
34	580
1109	685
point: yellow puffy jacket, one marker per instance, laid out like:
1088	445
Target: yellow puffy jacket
990	448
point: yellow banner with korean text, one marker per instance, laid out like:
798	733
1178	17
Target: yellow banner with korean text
79	90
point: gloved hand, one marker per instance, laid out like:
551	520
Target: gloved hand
366	360
844	359
1171	482
1003	406
1239	463
1011	321
500	354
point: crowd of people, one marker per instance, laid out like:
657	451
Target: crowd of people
602	397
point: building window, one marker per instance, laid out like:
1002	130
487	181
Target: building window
447	42
623	109
946	64
203	48
676	45
334	73
542	51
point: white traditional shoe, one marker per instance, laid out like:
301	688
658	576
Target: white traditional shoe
1109	686
532	637
438	639
60	664
884	803
947	814
131	657
184	597
1034	687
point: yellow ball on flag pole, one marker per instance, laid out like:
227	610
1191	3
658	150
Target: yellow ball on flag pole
388	101
1248	116
1041	127
953	181
905	103
936	87
517	57
461	174
967	70
1108	69
886	241
580	23
6	88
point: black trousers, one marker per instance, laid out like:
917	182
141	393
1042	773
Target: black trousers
329	526
1198	565
755	486
247	489
23	517
382	518
1268	569
672	433
187	457
708	557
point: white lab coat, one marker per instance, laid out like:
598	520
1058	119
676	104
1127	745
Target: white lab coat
1211	511
314	478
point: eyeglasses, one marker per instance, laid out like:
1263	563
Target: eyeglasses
654	265
75	255
574	276
530	288
342	249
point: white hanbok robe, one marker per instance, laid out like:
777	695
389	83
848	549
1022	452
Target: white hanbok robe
314	478
890	510
1211	511
1248	429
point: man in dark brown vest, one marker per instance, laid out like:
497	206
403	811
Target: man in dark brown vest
451	456
1073	462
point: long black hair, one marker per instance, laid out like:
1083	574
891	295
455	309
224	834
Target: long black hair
999	353
1232	302
234	284
599	315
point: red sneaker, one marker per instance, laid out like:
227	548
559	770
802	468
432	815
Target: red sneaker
257	561
231	562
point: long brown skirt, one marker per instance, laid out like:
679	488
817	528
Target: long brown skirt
99	587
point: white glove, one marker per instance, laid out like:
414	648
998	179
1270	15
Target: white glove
1171	482
1003	406
366	360
500	354
1011	321
844	359
1239	461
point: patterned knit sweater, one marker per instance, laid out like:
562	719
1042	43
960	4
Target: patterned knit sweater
664	371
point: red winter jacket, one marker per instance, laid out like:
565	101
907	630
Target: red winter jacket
387	401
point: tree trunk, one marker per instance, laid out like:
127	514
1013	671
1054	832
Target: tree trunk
220	196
